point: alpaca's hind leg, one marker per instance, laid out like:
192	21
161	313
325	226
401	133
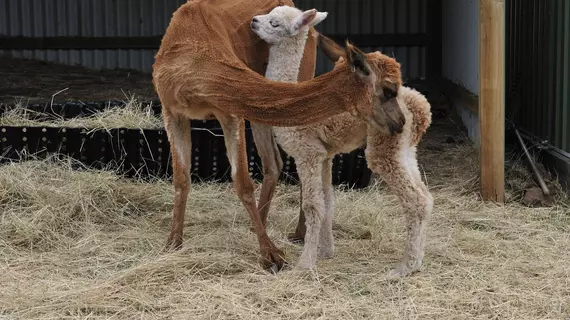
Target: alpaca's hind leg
234	136
417	176
271	163
309	169
415	169
326	242
417	206
178	133
299	235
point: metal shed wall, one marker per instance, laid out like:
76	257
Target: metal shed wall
375	17
98	18
90	18
538	69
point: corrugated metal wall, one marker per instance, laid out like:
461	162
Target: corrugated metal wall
150	17
95	18
538	68
375	17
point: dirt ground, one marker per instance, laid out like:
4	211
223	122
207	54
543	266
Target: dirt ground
34	81
89	245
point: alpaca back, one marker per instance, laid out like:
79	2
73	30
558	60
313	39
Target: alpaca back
344	133
420	109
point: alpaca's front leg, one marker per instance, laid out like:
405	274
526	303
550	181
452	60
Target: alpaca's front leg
309	169
234	137
326	243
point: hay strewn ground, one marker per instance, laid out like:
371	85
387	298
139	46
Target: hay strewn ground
86	245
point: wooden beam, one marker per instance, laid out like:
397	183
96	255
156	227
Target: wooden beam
492	98
459	95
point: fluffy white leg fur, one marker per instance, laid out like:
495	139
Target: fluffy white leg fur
309	169
326	242
400	175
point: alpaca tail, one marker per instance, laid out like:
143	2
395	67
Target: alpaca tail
421	112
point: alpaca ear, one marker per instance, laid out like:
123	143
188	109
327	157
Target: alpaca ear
358	62
303	20
330	48
319	18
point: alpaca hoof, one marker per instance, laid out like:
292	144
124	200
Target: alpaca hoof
398	273
274	268
174	242
304	265
403	271
326	253
306	261
295	238
272	260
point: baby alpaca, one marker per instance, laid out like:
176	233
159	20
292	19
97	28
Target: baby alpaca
286	29
389	154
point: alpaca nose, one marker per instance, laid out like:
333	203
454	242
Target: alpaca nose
253	24
390	93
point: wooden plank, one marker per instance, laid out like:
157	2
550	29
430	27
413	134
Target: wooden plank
492	98
153	42
459	95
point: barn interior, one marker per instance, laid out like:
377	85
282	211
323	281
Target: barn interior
88	243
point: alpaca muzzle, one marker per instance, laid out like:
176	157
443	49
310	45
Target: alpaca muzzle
388	117
254	24
389	93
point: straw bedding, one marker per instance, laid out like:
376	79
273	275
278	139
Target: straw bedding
82	244
132	115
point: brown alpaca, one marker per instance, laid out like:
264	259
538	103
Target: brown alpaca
313	148
209	65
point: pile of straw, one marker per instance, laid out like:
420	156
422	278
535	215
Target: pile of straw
88	244
132	115
85	244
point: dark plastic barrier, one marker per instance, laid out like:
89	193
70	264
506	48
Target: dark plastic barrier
146	153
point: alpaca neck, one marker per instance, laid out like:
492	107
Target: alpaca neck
285	58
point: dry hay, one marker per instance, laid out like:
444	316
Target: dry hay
87	244
132	115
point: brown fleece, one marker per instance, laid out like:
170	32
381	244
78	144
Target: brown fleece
209	57
210	64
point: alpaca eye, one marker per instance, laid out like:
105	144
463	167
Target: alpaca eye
274	24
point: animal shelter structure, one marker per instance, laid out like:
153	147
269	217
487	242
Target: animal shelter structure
498	62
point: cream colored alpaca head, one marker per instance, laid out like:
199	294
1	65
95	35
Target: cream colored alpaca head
285	22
